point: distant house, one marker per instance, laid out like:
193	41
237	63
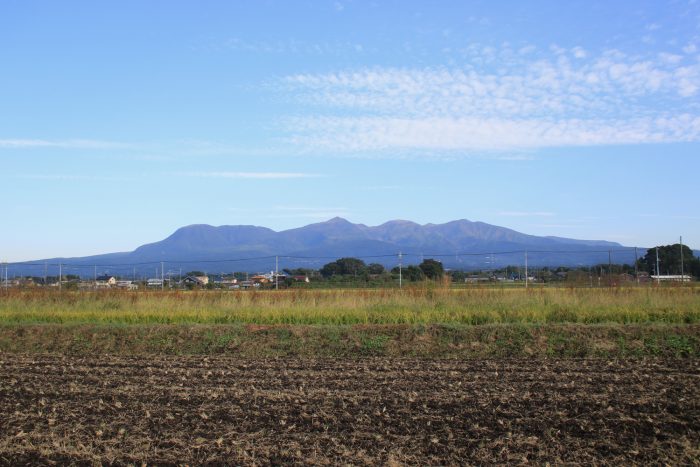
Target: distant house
154	282
227	282
260	279
128	285
105	281
199	281
300	279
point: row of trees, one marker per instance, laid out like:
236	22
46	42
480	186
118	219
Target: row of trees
356	268
669	263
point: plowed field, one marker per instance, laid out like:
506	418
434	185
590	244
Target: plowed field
163	409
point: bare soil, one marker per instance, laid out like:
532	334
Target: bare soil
162	409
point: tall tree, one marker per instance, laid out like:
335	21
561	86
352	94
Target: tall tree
344	267
432	269
669	259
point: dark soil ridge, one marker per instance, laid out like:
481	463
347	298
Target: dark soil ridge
420	341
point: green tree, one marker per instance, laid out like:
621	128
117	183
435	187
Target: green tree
410	273
414	273
669	260
458	276
352	266
375	268
330	270
345	267
432	269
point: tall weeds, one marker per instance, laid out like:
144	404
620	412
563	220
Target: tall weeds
413	305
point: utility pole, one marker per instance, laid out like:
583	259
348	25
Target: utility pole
95	276
636	267
60	275
277	273
682	270
45	273
658	273
610	282
526	273
162	278
400	267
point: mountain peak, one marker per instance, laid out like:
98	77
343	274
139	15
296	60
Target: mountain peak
399	222
337	220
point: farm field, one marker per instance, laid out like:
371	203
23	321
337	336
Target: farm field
421	376
175	410
415	305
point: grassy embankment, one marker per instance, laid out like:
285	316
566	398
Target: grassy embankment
425	321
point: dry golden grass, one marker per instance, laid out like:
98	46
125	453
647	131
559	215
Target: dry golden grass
413	305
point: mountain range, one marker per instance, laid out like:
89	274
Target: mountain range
460	244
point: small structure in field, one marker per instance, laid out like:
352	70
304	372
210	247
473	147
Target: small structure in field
196	281
105	281
672	278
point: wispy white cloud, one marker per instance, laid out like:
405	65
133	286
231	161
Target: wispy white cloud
251	175
386	133
563	98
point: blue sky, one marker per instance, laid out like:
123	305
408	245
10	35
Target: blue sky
122	121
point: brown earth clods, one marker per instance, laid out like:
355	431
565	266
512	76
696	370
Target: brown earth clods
195	410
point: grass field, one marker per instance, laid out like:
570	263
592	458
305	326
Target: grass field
421	305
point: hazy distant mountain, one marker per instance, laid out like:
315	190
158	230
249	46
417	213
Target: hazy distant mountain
460	244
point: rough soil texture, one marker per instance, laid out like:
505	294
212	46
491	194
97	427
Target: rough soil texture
194	410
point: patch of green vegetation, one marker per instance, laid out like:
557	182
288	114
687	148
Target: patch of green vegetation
682	346
561	344
373	344
427	341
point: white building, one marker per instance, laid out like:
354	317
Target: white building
676	278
